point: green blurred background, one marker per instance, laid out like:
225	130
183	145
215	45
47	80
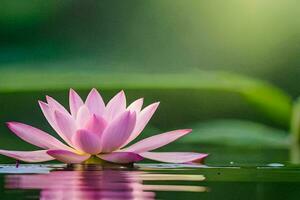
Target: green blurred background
47	47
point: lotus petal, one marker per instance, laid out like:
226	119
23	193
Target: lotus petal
118	131
36	136
75	102
95	102
83	116
156	141
28	156
142	120
174	157
66	125
121	157
136	106
67	156
87	142
96	125
115	106
54	105
49	115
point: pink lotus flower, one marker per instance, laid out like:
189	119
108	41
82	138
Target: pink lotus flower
93	129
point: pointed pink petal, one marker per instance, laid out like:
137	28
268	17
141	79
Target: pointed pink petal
67	156
49	115
174	157
95	102
142	120
136	106
115	106
75	102
156	141
36	136
118	131
83	116
28	156
87	142
66	125
54	105
145	116
121	157
96	125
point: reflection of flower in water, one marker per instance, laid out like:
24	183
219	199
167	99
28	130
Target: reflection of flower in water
105	184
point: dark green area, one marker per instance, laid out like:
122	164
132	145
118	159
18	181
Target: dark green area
181	53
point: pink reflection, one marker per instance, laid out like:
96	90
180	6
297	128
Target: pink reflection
91	182
65	185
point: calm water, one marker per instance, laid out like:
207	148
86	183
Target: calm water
150	181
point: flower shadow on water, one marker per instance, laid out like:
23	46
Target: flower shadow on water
78	183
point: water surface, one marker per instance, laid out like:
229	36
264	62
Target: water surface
149	181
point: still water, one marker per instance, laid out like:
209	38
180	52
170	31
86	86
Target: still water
149	181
